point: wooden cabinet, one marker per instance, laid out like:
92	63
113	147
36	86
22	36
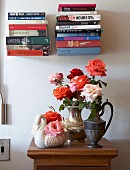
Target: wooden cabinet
73	156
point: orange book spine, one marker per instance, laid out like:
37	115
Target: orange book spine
27	52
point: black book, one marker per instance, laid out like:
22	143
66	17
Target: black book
60	23
78	31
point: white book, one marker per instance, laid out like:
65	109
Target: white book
79	17
78	27
28	22
78	13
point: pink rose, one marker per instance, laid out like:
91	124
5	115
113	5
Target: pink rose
56	78
73	87
54	128
91	92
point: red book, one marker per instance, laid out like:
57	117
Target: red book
27	26
27	52
77	5
78	44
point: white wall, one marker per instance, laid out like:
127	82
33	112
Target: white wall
24	80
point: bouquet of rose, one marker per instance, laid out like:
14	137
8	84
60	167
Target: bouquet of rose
81	90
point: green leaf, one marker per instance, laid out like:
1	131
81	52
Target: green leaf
81	105
61	107
93	110
104	83
66	102
93	82
92	114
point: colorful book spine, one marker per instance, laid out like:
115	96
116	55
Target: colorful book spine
67	9
61	23
78	38
77	51
27	52
78	31
79	17
28	22
28	47
27	26
78	34
78	27
78	44
21	14
27	18
13	33
36	40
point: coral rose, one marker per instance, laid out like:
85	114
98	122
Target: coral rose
52	116
62	92
54	128
56	78
91	92
78	82
75	72
96	67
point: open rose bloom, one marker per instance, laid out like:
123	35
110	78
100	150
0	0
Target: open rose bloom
82	89
54	128
91	92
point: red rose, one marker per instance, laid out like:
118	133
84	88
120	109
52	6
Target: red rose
75	72
52	116
96	67
62	92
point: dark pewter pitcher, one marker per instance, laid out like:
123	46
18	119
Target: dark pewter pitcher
95	128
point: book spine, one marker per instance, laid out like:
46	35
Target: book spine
78	13
21	14
28	22
79	17
13	33
28	47
61	23
78	30
27	52
74	51
27	18
77	5
78	38
78	27
36	40
77	34
67	9
77	44
27	26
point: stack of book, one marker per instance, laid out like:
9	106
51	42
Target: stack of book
78	29
28	34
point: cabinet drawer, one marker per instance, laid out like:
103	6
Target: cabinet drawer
72	168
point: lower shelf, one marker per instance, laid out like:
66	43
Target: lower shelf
72	168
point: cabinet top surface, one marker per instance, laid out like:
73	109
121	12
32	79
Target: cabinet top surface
74	148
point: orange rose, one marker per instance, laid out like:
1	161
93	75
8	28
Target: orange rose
52	116
96	67
79	81
62	92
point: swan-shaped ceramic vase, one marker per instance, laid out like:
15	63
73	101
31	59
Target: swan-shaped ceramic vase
43	140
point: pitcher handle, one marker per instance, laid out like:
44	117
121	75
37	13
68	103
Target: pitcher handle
110	119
